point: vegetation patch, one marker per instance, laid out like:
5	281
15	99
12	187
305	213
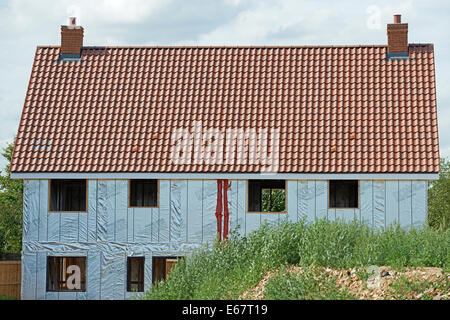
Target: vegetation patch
372	283
228	270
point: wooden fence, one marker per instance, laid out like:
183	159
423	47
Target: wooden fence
10	276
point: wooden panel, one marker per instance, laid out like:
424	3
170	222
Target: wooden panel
43	210
209	223
29	276
148	271
322	199
164	211
83	227
10	277
271	218
110	209
170	264
93	275
419	203
252	220
142	224
102	212
379	195
405	204
121	225
366	201
31	210
130	225
53	226
331	214
302	199
311	200
92	211
195	214
241	206
69	226
345	215
154	224
392	203
235	220
121	211
41	271
121	194
176	222
292	200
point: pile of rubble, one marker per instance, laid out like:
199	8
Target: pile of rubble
379	283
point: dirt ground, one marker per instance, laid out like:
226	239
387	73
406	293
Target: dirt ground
383	283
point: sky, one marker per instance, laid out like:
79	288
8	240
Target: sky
25	24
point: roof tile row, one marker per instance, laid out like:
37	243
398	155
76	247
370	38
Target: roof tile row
337	109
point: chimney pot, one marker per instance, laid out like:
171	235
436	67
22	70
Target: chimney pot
72	21
397	18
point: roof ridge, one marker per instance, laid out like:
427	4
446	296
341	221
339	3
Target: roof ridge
240	46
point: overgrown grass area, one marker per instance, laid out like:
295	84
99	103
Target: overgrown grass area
311	284
406	288
226	271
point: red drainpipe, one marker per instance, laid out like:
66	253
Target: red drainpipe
226	185
222	191
219	210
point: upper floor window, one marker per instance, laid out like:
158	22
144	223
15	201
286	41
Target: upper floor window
143	193
343	194
68	195
266	196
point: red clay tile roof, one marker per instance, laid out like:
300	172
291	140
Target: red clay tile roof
339	109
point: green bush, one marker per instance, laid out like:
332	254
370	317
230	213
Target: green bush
225	271
11	199
439	198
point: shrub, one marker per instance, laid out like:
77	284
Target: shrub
439	198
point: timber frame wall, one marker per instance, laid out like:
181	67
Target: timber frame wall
110	231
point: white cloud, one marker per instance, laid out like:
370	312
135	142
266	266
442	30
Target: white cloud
24	24
25	12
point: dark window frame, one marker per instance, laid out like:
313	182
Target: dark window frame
52	207
264	185
141	274
58	263
330	196
133	202
163	259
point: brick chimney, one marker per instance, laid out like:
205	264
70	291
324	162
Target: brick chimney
71	39
397	35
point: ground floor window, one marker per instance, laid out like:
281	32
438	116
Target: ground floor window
162	266
343	194
66	273
135	274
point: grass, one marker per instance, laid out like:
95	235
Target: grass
226	271
408	288
311	284
3	297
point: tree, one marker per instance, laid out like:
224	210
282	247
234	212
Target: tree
11	207
273	200
439	198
